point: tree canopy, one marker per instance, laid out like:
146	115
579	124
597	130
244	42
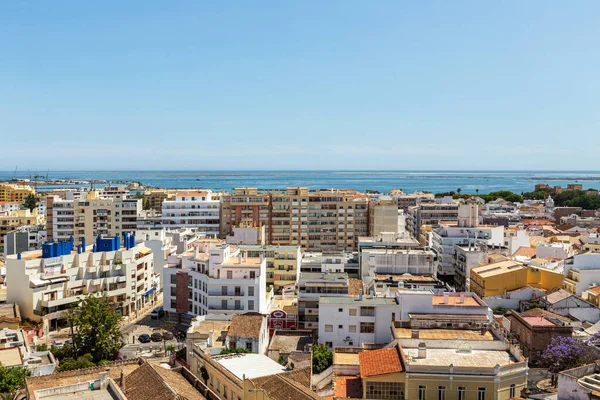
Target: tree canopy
29	202
565	352
84	361
322	358
99	332
577	198
12	378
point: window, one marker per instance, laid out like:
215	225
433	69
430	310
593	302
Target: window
367	327
252	275
351	328
340	309
513	391
441	392
218	386
212	381
340	326
367	311
352	312
250	305
328	344
481	393
229	274
250	290
328	328
462	393
225	391
422	392
385	390
249	346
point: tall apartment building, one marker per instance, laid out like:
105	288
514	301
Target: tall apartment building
10	221
198	210
406	200
314	220
153	199
13	192
92	216
468	232
383	216
214	278
45	283
442	211
25	238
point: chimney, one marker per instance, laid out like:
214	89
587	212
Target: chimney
210	341
240	257
104	379
446	296
245	256
462	298
415	333
360	294
422	350
123	389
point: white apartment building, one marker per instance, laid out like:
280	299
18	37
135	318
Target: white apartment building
446	237
397	262
582	271
214	278
346	321
335	262
45	283
470	256
198	210
94	215
24	238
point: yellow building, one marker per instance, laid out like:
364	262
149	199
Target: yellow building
498	278
16	219
283	263
14	192
501	277
153	198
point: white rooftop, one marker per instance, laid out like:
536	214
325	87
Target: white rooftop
251	365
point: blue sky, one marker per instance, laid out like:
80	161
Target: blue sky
299	85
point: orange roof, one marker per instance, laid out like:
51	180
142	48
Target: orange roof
198	193
379	362
348	387
595	289
525	252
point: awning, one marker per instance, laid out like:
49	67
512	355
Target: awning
149	291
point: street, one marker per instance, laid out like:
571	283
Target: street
134	348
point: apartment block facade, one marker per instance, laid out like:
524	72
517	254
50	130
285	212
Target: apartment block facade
198	210
91	216
314	220
214	277
13	192
10	221
432	213
45	283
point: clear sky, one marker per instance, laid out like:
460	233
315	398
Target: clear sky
300	85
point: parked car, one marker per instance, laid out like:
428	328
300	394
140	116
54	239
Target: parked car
59	345
156	337
157	313
144	338
168	335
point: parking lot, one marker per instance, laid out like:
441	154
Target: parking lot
134	348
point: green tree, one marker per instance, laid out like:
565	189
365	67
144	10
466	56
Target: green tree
84	361
12	379
577	198
29	202
139	195
322	358
234	351
99	332
458	190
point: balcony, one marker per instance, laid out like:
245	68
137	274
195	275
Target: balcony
220	294
60	302
228	308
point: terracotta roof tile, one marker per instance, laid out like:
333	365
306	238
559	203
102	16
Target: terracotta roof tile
525	252
152	382
246	325
348	387
379	362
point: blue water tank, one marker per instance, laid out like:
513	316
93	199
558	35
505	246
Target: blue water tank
18	256
126	240
132	241
118	242
94	249
79	249
83	243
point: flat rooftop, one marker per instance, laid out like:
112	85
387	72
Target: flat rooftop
444	334
245	262
345	358
86	395
251	365
538	321
453	300
472	358
498	268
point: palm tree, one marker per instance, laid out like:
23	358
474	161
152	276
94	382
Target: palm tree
477	191
458	190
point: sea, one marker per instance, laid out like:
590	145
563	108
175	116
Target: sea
381	181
